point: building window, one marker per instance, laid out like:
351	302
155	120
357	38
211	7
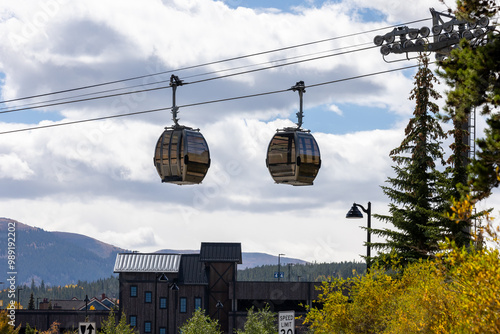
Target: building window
133	291
197	303
163	330
147	326
163	303
133	320
148	297
183	305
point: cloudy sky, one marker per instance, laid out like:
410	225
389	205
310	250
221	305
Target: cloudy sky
98	179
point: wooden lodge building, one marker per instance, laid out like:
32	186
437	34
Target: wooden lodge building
159	292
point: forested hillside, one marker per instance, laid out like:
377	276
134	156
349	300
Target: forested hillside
108	286
310	272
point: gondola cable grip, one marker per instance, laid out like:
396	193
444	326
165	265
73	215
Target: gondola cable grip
174	82
301	88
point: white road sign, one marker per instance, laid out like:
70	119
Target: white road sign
86	328
286	321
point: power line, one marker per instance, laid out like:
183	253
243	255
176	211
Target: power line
208	63
205	102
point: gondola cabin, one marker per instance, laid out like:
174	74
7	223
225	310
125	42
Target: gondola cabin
293	157
182	156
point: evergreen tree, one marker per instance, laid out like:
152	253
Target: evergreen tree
417	204
31	304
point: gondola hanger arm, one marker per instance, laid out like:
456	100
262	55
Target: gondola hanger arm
174	82
301	88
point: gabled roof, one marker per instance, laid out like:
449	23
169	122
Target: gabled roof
95	304
156	263
192	270
220	252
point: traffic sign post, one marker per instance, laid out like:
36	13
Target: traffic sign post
286	320
86	328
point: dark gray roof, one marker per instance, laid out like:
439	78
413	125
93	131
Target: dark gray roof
73	304
156	263
220	252
192	270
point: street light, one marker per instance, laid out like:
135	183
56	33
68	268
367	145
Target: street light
86	307
18	305
354	213
279	266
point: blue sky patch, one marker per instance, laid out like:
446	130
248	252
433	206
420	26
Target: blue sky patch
24	116
371	15
28	116
354	118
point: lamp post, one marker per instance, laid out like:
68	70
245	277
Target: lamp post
18	305
86	307
279	266
354	213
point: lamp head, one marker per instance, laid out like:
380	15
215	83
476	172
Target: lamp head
354	213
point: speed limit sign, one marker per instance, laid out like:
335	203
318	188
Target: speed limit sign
286	321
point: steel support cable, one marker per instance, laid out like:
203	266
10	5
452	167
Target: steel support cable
205	102
186	83
34	104
208	63
281	65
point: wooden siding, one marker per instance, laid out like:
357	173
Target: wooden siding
168	318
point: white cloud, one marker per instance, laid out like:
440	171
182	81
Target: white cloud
98	178
335	109
13	167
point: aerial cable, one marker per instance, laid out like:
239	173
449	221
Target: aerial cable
206	64
36	104
278	60
186	83
281	65
205	102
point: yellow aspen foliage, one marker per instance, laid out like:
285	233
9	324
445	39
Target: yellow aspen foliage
456	292
6	324
54	328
